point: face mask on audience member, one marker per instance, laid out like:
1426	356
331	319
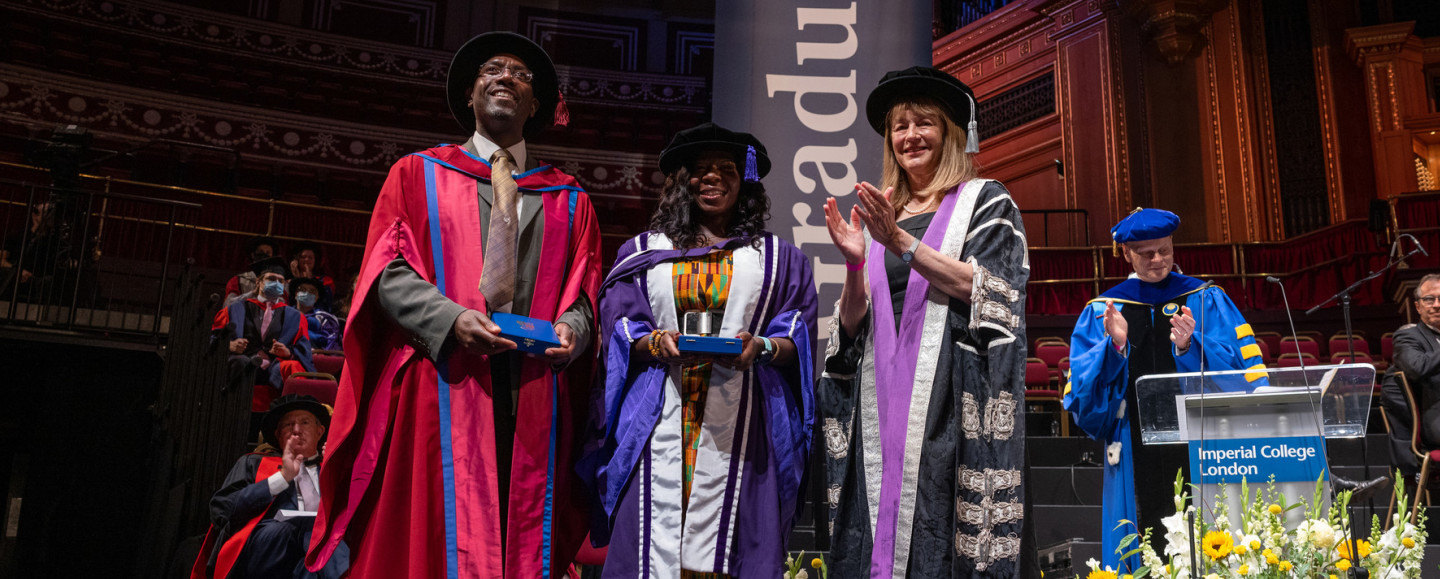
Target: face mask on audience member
273	289
306	299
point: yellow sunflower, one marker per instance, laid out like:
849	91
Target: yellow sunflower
1343	549
1101	575
1217	544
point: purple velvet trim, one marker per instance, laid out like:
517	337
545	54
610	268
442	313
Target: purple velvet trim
896	356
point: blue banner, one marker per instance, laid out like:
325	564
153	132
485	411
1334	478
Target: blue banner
1255	460
796	73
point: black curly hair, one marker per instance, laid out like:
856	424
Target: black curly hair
677	214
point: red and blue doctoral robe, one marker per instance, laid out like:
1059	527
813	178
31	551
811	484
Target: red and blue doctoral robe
410	480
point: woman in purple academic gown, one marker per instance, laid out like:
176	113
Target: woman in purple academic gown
923	392
700	471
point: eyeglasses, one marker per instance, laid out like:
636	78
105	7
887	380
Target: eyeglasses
1429	300
496	71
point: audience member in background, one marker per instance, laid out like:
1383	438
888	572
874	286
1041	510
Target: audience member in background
342	305
1417	355
324	327
264	336
242	285
36	261
247	539
305	262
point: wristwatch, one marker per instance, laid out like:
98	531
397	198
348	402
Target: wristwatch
910	252
767	353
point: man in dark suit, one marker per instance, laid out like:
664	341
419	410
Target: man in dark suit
1417	354
255	530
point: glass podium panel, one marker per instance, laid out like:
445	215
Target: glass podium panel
1284	402
1270	426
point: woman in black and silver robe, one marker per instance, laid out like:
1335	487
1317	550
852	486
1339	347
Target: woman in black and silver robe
923	395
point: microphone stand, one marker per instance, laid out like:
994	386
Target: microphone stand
1356	570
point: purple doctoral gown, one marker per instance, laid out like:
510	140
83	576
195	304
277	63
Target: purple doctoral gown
755	432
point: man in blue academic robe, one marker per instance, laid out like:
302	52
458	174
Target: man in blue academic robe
1155	322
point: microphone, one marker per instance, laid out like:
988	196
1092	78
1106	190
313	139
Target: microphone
1418	247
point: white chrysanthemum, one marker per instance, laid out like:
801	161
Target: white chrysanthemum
1321	535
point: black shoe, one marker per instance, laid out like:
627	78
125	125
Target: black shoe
1358	489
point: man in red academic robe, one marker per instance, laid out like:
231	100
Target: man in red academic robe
428	474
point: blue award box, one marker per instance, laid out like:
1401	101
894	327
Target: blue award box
529	334
689	344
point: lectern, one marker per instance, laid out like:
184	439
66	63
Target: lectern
1237	431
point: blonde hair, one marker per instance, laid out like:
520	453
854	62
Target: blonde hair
955	165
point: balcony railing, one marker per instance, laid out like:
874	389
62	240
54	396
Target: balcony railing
89	260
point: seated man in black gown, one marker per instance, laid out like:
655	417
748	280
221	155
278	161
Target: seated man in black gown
262	516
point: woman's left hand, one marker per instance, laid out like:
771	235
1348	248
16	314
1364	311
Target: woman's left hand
749	350
878	214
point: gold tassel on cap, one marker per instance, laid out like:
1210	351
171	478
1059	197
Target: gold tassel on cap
1115	246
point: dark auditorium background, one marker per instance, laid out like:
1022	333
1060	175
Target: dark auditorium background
1297	139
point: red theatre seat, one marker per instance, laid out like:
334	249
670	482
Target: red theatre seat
1344	358
1292	360
1302	345
318	384
1271	341
1340	345
1037	374
329	362
1051	353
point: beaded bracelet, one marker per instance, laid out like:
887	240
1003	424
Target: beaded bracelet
655	344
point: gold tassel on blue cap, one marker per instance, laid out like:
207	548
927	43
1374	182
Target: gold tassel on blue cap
972	135
752	167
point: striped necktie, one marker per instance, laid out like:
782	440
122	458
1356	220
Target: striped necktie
497	279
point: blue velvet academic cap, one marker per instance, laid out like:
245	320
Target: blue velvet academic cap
1144	225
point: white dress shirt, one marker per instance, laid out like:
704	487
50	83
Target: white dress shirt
486	148
278	485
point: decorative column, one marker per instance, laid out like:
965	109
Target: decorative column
1210	41
1090	99
1391	57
